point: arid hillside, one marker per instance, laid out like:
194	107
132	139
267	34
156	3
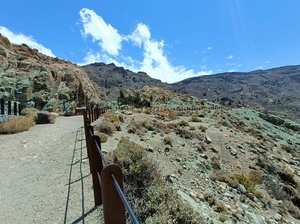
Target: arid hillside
36	80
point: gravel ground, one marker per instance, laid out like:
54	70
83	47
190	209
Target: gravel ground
45	175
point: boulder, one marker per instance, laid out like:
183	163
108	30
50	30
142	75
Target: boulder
43	117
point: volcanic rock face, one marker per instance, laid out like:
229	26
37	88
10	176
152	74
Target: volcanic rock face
36	80
157	96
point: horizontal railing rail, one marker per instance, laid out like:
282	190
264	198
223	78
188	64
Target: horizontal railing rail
107	180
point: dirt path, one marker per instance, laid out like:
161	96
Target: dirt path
45	175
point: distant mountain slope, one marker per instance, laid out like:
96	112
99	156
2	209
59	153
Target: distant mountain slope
276	90
113	78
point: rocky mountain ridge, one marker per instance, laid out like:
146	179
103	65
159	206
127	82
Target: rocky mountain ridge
43	82
275	90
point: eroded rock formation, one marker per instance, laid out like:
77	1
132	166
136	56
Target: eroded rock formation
43	82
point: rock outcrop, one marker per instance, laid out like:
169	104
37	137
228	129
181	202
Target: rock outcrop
157	97
43	82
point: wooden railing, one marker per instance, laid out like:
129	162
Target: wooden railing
12	108
107	178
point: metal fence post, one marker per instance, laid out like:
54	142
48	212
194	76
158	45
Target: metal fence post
96	167
2	106
113	207
9	108
15	108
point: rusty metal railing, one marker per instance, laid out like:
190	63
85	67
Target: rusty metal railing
107	179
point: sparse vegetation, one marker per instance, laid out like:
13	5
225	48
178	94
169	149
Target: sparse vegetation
16	124
151	199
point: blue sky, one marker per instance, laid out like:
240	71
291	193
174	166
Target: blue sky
170	40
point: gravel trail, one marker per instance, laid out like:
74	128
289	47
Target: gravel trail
45	175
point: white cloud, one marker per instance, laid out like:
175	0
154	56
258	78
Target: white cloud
267	62
231	70
19	38
209	48
94	25
230	57
154	62
259	68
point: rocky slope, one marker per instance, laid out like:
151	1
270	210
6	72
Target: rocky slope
275	90
112	78
43	82
231	165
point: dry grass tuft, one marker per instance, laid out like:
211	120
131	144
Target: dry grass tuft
16	125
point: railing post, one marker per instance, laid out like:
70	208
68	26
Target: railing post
96	167
2	106
9	107
15	108
113	207
19	109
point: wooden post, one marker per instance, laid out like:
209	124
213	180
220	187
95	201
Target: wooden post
2	106
113	207
15	108
96	167
9	107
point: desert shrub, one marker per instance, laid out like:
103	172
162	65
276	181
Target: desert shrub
266	164
228	178
286	176
183	123
147	111
167	131
256	176
215	163
210	198
173	126
114	119
133	127
30	112
192	128
106	127
16	124
149	125
103	137
223	217
195	118
183	133
168	140
244	180
165	206
148	195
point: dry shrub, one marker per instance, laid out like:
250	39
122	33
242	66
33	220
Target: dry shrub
215	163
170	114
103	137
183	123
256	176
147	111
31	113
194	118
106	127
150	198
16	125
148	125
